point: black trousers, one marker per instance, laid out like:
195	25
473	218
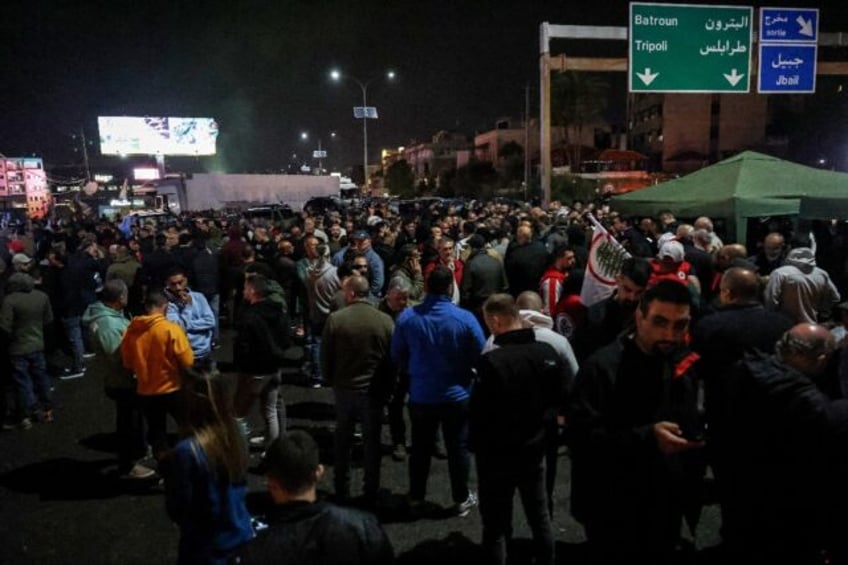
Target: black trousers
156	409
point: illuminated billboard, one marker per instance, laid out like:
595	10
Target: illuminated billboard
125	135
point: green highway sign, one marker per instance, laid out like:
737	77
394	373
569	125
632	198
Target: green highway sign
689	48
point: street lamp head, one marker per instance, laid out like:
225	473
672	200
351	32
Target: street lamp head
333	134
335	74
390	75
304	135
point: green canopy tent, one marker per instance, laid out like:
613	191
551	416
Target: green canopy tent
827	205
744	186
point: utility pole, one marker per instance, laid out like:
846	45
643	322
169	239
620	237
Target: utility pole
85	155
526	140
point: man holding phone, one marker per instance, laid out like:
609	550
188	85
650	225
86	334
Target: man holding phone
192	312
635	430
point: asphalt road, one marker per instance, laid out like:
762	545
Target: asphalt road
61	501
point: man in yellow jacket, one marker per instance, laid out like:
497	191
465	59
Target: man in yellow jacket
157	351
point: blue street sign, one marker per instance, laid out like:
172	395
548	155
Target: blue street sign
788	50
787	68
789	24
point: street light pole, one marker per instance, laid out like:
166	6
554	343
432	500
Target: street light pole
363	86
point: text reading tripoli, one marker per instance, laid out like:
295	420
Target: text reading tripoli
659	21
651	46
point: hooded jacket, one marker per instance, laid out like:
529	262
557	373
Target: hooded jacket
106	327
25	312
322	282
801	289
157	350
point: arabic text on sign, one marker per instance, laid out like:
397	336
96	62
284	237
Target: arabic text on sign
719	25
724	48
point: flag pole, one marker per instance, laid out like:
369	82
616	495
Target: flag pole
595	223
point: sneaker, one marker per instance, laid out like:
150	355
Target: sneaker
25	424
139	472
314	382
45	416
399	452
463	509
88	355
69	374
257	441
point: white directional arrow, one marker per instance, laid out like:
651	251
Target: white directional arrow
647	77
734	77
806	26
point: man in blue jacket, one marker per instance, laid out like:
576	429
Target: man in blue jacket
192	312
438	344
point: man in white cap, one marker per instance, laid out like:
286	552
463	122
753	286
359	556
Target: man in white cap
671	265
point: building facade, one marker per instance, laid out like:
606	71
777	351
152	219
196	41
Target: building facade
680	133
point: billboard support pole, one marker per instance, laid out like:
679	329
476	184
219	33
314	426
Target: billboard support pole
160	164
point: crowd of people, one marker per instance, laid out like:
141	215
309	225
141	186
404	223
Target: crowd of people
707	364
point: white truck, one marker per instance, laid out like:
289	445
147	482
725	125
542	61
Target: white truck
217	191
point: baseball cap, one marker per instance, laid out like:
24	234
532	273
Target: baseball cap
16	246
672	250
21	259
361	234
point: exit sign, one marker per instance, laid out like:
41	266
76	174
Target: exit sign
689	48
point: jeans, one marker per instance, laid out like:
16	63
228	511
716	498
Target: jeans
425	420
267	387
156	409
397	425
314	349
129	427
353	405
73	329
215	304
31	380
498	477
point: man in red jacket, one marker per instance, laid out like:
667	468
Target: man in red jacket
559	267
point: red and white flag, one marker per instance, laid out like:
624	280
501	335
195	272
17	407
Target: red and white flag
605	257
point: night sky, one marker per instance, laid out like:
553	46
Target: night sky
261	70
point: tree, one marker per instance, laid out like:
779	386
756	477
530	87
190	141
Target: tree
512	163
477	179
568	188
400	180
578	99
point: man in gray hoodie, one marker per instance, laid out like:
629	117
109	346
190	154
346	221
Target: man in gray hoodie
24	314
322	283
801	289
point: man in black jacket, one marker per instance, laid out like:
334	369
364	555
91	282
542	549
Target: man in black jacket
260	350
607	319
82	278
303	529
635	435
520	388
482	277
784	489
